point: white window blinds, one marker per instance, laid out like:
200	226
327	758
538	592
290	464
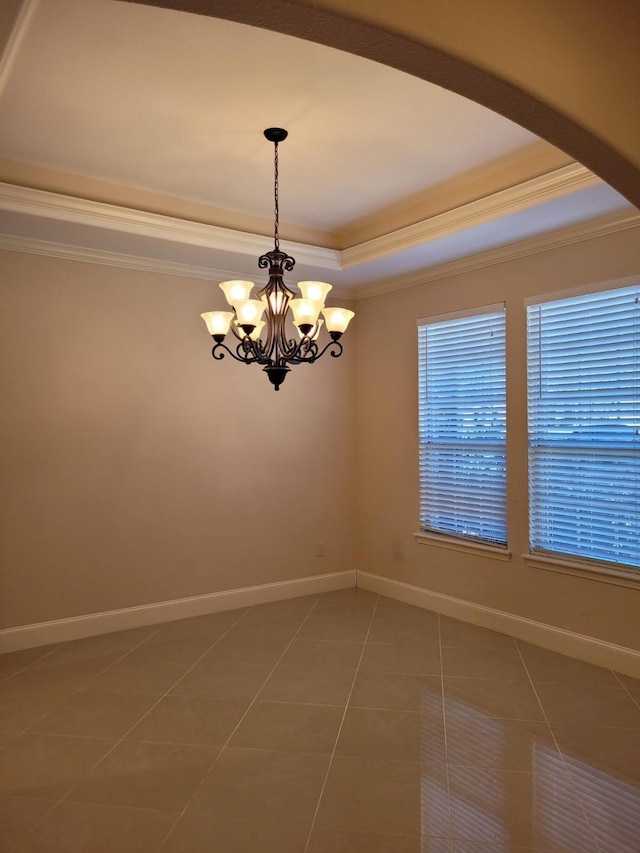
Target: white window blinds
584	426
462	425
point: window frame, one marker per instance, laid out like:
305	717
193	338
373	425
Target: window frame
579	565
444	538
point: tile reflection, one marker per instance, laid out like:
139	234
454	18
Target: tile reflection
511	787
616	751
502	792
560	821
612	807
435	815
473	738
478	805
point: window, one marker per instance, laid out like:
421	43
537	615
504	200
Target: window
584	426
462	425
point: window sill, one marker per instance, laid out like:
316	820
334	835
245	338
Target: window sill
582	570
494	552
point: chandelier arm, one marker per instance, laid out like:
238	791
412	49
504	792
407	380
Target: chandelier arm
307	355
253	352
218	354
246	345
334	348
290	349
259	351
307	351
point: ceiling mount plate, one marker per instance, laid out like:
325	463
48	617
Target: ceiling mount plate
276	134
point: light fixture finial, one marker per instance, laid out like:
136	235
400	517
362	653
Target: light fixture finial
276	134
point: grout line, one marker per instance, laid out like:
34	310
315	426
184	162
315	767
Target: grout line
302	639
239	723
13	735
557	746
344	714
334	705
66	699
444	726
296	752
54	805
56	647
63	798
626	689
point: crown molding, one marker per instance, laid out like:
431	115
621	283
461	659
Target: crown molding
567	236
40	203
33	246
561	182
544	243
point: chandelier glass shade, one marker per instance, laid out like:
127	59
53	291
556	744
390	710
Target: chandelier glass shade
263	327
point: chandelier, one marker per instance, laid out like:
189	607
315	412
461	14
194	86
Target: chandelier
269	341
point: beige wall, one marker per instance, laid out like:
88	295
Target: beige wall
387	445
136	469
129	476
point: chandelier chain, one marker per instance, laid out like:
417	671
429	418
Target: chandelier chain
276	234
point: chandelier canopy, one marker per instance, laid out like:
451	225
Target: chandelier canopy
269	341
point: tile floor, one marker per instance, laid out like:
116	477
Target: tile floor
338	723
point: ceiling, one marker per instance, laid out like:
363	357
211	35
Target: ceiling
136	132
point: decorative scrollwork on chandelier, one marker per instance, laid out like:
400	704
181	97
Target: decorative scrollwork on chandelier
268	341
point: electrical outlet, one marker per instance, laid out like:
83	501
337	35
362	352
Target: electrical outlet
320	550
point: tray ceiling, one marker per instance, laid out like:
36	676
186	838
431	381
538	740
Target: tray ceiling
163	104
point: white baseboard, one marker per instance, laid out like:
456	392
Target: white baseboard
589	649
61	630
585	648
